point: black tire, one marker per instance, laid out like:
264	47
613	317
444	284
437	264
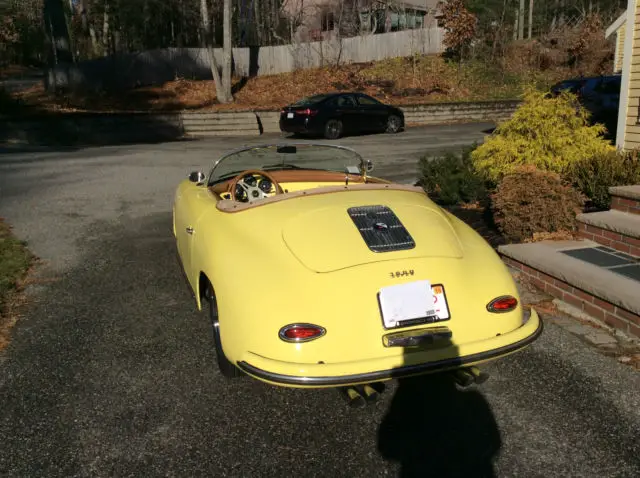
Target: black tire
394	124
227	369
333	129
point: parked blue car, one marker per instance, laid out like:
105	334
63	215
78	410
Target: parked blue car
600	95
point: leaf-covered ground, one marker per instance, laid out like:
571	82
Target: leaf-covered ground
402	81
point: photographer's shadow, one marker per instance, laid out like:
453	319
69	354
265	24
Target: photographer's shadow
434	429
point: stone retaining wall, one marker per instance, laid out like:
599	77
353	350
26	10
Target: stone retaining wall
110	128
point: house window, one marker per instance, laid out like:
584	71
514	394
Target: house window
328	22
406	19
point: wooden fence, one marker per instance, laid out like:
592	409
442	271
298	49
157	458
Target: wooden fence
155	67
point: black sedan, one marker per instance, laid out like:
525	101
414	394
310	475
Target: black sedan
335	114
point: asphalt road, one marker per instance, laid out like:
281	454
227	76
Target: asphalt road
111	370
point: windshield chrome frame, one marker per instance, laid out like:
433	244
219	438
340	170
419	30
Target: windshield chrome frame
362	165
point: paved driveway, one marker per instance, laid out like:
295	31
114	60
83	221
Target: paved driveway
111	371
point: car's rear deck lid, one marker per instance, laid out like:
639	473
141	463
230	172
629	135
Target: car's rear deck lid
337	237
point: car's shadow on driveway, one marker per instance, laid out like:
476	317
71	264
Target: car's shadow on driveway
433	429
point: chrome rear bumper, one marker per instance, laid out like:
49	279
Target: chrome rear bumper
381	375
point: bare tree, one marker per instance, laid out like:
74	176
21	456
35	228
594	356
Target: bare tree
530	18
105	29
521	20
227	58
222	82
56	24
87	26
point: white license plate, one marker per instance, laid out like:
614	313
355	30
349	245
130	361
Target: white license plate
289	115
413	301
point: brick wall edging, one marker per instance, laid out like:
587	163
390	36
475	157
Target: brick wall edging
623	204
611	314
618	241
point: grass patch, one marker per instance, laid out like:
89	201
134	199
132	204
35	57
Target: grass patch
15	260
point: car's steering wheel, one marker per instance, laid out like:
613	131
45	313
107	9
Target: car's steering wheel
246	188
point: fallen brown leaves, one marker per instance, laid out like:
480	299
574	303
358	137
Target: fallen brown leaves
402	81
552	236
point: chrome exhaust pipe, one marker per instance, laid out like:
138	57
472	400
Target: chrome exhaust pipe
353	397
479	376
359	395
465	377
370	393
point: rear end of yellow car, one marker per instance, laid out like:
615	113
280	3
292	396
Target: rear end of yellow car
302	295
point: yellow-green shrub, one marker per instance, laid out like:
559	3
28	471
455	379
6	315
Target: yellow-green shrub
549	133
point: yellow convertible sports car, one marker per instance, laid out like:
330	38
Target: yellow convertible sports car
318	275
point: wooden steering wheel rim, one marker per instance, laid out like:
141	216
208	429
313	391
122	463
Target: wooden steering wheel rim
234	183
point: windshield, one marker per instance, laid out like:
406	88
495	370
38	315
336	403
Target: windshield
289	156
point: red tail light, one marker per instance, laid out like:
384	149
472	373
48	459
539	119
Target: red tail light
505	303
309	112
301	332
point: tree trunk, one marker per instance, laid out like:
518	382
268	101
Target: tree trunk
105	30
84	12
207	41
521	21
499	31
257	5
56	19
94	40
530	18
227	57
87	27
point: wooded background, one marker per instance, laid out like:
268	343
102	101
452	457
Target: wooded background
46	33
42	32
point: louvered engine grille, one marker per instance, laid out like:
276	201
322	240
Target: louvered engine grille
381	229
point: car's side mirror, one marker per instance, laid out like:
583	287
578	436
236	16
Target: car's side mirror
368	165
197	177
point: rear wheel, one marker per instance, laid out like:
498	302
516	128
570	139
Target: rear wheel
333	129
393	124
226	368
